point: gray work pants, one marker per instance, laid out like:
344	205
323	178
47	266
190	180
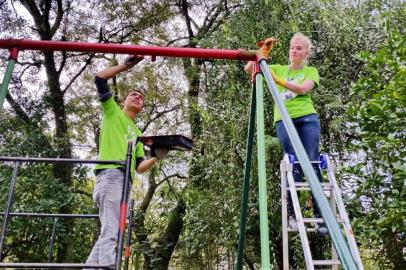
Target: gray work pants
107	195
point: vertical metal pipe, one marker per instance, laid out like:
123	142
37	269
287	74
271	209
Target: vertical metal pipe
263	204
8	207
343	214
7	76
299	217
343	250
51	245
127	252
124	206
333	206
246	183
284	194
6	81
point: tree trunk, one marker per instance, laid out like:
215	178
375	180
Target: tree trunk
63	173
192	72
395	253
63	149
160	256
170	238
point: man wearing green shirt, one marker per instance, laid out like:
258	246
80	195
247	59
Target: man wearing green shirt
117	129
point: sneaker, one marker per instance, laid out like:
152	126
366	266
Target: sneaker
321	229
293	223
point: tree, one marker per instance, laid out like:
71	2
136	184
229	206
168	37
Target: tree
224	112
188	216
51	112
376	115
215	14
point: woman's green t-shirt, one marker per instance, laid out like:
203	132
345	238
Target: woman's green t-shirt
297	105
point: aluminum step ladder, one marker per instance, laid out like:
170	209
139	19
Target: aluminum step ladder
336	203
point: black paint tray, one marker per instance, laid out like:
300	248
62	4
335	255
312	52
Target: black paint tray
170	142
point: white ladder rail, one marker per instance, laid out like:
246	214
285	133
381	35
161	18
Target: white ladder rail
333	205
343	214
299	219
284	202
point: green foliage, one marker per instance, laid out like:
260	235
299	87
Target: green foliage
31	126
214	198
340	31
378	116
36	191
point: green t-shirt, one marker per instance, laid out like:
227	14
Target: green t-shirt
117	129
297	105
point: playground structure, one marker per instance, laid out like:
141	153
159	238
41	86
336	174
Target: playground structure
123	213
347	258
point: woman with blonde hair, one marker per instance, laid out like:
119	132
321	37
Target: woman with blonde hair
295	81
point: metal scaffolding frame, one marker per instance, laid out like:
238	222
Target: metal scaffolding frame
7	214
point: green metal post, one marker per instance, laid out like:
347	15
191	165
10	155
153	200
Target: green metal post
263	205
7	75
343	250
6	81
246	184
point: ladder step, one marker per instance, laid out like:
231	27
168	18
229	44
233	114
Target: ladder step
312	162
305	186
307	230
319	220
55	265
326	262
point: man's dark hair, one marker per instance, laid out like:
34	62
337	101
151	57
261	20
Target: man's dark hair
141	91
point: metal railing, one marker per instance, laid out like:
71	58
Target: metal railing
7	214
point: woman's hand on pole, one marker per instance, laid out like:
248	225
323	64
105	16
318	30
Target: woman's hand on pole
278	80
266	47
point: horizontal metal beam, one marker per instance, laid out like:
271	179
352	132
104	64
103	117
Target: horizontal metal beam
62	160
44	45
54	265
28	215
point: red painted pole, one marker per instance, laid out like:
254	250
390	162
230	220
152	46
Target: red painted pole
42	45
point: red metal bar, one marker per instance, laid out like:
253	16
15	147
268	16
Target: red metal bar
14	53
255	70
23	44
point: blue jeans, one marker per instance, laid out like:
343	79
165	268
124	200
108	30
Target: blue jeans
308	129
